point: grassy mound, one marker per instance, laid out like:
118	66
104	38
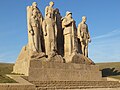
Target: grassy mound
5	69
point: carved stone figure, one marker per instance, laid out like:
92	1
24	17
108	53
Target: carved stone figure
34	21
50	9
60	41
50	35
84	36
70	33
35	32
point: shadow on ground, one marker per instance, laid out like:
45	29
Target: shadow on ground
110	72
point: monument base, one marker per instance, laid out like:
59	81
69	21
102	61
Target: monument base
53	71
38	68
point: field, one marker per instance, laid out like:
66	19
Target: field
5	69
108	70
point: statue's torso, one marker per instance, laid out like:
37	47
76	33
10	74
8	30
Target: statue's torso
84	28
68	28
50	9
50	28
34	21
84	32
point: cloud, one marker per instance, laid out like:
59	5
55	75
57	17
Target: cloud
113	33
105	48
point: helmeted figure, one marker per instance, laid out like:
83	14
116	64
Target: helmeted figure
84	36
70	33
34	21
50	35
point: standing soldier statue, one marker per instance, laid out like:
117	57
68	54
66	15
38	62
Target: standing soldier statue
83	36
70	33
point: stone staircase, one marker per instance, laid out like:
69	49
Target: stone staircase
63	85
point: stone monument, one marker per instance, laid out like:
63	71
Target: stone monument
50	36
60	37
50	57
84	36
50	9
70	32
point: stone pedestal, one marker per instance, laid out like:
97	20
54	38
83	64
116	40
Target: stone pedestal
22	64
53	71
38	68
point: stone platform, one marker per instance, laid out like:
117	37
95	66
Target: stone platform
53	71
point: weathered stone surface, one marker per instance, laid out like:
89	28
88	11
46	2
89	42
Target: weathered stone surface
77	85
22	64
51	71
79	59
57	58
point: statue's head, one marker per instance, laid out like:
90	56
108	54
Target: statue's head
34	4
51	3
69	14
57	10
84	18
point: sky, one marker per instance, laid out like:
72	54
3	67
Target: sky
103	19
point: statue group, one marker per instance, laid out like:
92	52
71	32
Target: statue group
54	34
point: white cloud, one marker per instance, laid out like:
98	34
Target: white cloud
106	48
115	32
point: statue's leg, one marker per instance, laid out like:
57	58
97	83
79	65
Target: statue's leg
86	50
47	45
67	45
36	39
40	43
83	48
52	44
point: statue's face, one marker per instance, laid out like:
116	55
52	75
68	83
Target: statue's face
84	19
70	15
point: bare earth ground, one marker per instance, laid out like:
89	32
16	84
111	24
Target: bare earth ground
108	70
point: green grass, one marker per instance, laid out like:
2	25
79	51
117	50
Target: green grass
6	68
110	69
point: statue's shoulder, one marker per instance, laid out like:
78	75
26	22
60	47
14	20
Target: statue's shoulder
64	19
29	7
80	24
47	7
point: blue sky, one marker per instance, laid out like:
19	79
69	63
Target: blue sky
103	19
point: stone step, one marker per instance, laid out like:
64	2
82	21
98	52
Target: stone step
41	85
